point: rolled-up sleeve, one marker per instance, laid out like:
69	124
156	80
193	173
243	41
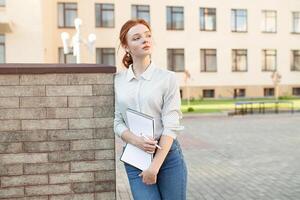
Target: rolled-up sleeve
119	123
171	113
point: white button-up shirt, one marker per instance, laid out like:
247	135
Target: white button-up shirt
155	93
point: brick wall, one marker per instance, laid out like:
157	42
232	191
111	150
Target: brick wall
56	135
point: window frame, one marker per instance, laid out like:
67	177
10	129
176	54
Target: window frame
139	10
61	49
100	10
3	4
206	13
293	22
265	68
171	65
204	60
235	65
208	90
265	12
235	21
100	50
293	67
2	43
172	28
65	13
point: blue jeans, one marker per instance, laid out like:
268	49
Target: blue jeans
171	179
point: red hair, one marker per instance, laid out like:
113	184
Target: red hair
127	59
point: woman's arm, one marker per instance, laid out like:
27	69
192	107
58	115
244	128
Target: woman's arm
140	142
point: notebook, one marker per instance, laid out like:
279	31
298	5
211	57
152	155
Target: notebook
139	123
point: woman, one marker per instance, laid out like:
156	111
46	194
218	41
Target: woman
154	91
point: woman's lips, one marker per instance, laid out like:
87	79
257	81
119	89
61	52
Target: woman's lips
146	47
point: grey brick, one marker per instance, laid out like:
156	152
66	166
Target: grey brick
90	123
105	154
15	169
109	175
48	189
92	101
46	146
71	156
38	113
71	178
44	124
41	102
69	90
9	102
105	186
105	196
15	91
9	79
23	158
69	113
104	111
10	125
73	197
24	180
92	165
92	144
70	134
11	192
78	79
104	133
103	90
46	168
10	147
43	79
20	136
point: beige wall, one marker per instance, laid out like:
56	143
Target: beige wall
43	37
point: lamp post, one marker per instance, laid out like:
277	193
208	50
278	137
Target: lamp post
76	41
276	78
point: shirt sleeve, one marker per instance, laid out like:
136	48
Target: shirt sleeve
171	113
119	123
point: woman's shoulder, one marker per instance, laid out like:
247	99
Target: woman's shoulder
119	75
165	72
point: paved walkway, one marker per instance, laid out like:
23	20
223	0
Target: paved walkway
237	158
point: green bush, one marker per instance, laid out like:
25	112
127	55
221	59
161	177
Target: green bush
190	109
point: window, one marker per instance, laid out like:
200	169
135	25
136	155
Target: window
269	21
239	20
239	93
67	13
295	60
66	58
207	19
269	61
2	3
105	15
141	12
208	60
296	91
2	48
269	92
296	22
176	60
105	56
239	60
175	18
208	93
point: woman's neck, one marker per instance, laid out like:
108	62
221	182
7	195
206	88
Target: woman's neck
140	65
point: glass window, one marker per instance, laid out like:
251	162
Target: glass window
67	13
208	60
2	48
239	60
269	92
176	60
175	18
269	61
141	12
2	3
208	93
295	60
239	20
239	92
105	56
207	19
296	91
269	21
66	58
105	15
296	22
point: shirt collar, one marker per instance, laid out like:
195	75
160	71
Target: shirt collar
147	75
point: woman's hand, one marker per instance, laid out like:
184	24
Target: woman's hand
147	145
149	176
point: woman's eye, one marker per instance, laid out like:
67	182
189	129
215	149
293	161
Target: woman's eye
148	36
136	38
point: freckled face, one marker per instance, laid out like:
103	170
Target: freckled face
139	41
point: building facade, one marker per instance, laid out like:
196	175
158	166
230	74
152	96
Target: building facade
218	50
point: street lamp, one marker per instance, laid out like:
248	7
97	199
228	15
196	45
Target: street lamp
76	41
